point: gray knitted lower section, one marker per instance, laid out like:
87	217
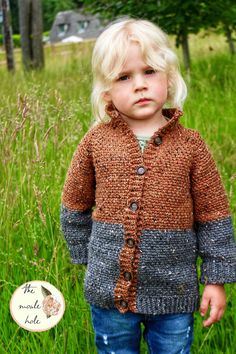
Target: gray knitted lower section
167	276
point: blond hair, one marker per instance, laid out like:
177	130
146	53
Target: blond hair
110	52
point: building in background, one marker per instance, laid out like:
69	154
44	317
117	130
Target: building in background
73	25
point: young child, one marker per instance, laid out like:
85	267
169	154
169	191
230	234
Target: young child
143	199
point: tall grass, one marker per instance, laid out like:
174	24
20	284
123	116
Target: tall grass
43	117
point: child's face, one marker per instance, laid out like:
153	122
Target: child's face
137	80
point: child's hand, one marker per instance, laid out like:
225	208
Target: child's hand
213	295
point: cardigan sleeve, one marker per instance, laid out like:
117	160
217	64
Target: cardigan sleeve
78	198
212	218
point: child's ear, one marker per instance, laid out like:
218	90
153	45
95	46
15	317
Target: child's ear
107	96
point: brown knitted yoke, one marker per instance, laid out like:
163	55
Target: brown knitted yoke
172	188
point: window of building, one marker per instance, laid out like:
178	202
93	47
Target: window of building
62	29
81	26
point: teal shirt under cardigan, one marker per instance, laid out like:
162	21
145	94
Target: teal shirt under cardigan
142	141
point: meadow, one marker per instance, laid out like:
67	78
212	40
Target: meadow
43	117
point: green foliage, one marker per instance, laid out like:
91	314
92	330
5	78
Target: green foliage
221	15
15	38
220	12
173	16
179	17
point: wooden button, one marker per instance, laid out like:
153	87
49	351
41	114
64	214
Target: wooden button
124	304
141	170
127	276
133	206
158	140
130	242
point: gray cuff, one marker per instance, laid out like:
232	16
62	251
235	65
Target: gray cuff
217	248
216	272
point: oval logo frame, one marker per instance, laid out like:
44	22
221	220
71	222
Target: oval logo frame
37	306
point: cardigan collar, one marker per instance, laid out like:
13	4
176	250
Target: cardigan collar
172	115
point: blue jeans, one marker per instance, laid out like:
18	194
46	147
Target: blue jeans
117	333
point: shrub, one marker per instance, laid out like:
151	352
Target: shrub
16	40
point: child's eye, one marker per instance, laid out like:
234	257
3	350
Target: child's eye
150	71
123	78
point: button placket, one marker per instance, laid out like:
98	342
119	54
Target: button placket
123	294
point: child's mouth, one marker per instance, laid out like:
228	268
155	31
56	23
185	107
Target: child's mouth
143	101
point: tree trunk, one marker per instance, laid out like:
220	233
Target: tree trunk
186	53
25	30
7	31
30	13
230	41
37	30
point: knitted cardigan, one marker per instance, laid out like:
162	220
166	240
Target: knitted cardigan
140	220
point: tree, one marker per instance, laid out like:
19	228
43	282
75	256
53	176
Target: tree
31	28
8	43
179	17
221	14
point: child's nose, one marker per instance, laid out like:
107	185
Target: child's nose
139	82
